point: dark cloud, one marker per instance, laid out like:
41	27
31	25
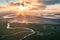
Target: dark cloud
50	1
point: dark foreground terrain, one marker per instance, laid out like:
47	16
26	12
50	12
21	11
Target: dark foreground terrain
42	31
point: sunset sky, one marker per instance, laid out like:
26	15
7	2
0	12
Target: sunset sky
47	2
50	5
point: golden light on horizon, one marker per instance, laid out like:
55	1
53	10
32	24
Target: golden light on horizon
23	8
21	13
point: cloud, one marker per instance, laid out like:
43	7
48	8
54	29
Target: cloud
42	9
49	2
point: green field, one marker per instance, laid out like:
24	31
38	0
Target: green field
43	32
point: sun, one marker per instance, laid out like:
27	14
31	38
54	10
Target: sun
22	8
